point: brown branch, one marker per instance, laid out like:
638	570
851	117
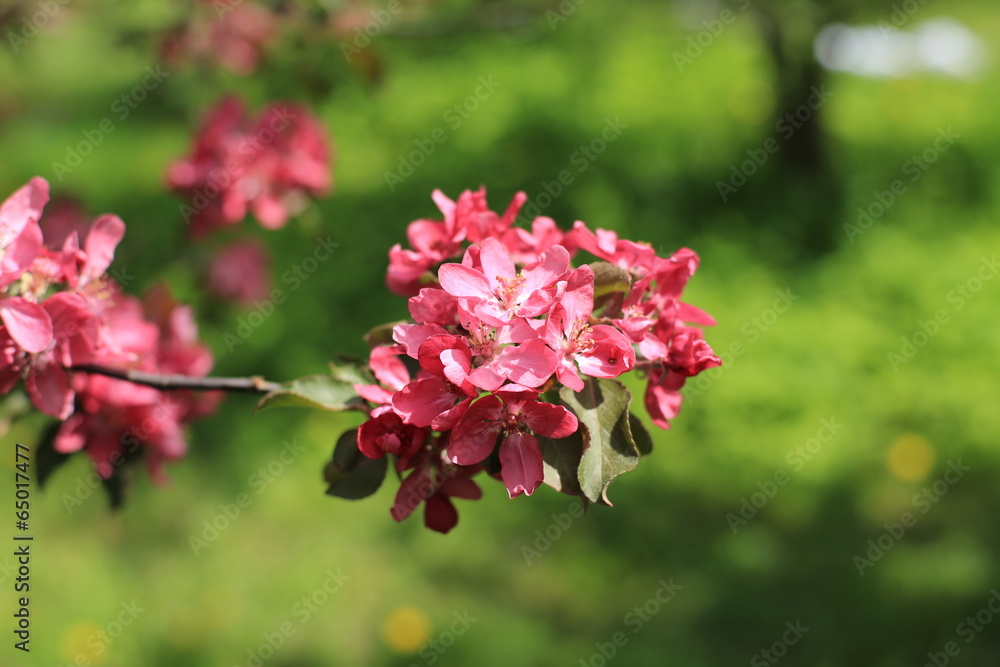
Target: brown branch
254	384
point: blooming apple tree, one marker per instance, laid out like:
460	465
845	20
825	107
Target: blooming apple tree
510	365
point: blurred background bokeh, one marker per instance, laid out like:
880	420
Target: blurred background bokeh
833	163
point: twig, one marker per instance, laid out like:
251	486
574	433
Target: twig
254	384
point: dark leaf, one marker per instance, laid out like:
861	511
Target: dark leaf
350	474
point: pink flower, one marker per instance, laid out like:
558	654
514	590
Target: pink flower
233	35
435	241
385	433
514	415
435	482
265	167
240	271
497	290
604	244
443	392
115	418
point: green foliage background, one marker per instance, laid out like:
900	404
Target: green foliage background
825	358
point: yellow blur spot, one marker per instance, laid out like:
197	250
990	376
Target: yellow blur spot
81	640
406	629
910	457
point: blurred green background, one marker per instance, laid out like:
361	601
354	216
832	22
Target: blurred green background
759	425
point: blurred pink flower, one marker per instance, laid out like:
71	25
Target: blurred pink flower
240	272
239	165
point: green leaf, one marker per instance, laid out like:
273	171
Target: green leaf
320	392
47	459
611	285
382	334
640	435
350	474
609	448
561	460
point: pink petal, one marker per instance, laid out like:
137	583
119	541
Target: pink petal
547	419
71	436
529	364
22	208
17	257
440	514
419	403
27	323
521	464
496	261
475	435
459	280
415	489
104	236
50	391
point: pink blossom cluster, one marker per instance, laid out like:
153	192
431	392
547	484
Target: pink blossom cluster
59	312
234	35
496	331
266	166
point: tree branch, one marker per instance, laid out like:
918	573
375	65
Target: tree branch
254	384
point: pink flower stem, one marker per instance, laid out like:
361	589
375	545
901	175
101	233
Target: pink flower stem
254	384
